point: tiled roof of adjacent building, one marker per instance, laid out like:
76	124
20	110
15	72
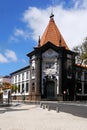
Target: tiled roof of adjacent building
53	35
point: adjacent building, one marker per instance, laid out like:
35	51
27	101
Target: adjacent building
21	78
81	82
52	73
4	93
5	79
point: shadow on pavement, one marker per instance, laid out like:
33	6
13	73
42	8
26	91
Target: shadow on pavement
10	108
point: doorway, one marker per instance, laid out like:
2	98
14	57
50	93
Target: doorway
50	89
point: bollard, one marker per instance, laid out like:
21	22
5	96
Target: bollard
40	105
43	106
48	108
57	109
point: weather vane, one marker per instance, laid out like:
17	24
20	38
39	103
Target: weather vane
52	15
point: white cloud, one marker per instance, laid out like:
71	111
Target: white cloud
71	22
3	59
11	55
80	4
36	20
21	33
8	56
13	39
18	34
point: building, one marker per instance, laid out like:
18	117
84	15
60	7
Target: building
4	79
21	78
52	74
81	82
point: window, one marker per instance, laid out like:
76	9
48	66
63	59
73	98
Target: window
33	87
22	87
15	89
79	88
79	73
33	72
22	76
27	75
18	88
85	88
69	68
19	77
85	75
27	84
15	78
33	64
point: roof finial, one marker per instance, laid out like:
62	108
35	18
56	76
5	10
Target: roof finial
51	16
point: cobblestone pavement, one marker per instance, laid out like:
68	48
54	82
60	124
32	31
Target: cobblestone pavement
32	117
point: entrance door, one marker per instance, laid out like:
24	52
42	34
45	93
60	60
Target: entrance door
50	89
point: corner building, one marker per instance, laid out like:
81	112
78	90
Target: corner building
51	66
52	70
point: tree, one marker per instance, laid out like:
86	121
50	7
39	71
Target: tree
0	86
14	88
81	50
6	85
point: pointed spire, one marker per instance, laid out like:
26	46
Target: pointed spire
52	34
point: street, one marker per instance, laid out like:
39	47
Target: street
74	108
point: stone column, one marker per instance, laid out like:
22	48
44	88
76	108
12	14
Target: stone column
60	75
38	77
60	78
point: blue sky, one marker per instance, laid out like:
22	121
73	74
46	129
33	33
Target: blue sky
22	21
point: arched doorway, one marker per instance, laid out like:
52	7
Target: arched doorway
50	87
